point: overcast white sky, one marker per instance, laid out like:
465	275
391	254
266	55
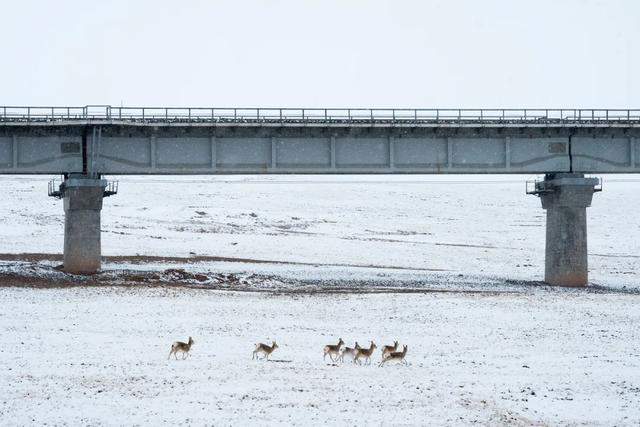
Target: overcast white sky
430	53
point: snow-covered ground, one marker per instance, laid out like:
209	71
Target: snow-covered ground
499	350
89	356
469	225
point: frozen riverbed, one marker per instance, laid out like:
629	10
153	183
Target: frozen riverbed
99	356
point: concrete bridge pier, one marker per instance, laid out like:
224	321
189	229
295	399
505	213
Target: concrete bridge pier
566	196
82	205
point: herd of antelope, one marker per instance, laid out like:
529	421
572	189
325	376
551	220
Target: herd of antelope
336	352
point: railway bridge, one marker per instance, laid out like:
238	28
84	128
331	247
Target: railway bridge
84	144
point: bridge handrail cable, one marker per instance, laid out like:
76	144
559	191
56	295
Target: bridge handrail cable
312	115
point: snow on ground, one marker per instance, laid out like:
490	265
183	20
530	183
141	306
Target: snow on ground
513	353
470	225
88	356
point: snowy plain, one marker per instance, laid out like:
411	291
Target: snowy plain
91	356
496	353
469	225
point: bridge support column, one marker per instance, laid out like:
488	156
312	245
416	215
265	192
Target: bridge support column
566	196
82	205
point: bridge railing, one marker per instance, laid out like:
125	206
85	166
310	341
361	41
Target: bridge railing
314	115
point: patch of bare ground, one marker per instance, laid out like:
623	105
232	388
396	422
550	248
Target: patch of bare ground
50	277
195	259
176	278
39	274
38	271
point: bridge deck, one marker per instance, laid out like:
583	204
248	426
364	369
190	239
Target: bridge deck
125	140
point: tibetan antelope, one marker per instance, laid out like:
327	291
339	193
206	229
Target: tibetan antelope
389	348
396	355
264	349
181	346
351	352
365	353
331	350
